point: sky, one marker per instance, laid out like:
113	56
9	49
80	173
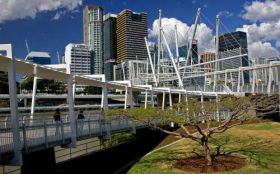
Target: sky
49	25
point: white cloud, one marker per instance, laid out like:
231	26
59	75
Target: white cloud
20	9
204	33
262	49
58	15
225	13
265	29
262	11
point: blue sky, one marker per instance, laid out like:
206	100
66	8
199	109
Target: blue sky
46	34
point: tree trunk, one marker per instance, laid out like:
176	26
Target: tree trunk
207	153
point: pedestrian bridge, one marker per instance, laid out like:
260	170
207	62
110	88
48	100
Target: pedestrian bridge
38	135
28	136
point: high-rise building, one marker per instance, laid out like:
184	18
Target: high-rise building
37	57
183	52
80	58
93	34
153	51
131	30
234	44
110	44
210	67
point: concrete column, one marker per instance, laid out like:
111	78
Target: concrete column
71	110
104	99
217	110
17	159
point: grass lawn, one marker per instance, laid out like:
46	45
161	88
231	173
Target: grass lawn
259	143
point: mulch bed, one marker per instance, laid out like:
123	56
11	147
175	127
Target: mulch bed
220	163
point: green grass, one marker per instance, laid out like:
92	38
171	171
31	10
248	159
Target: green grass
259	143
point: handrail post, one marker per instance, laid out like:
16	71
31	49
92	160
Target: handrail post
89	127
62	131
46	134
24	137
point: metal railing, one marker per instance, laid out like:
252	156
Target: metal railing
36	134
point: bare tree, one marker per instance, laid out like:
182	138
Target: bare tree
198	120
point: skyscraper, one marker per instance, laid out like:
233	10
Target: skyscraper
93	34
234	44
110	44
37	57
131	30
80	58
183	52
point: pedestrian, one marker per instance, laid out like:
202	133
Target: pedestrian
81	118
57	120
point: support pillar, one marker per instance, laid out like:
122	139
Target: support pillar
270	77
17	159
170	99
33	95
152	97
179	100
146	99
126	97
254	81
217	109
163	101
71	110
238	83
104	99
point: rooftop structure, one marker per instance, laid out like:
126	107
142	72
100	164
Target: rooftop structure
39	57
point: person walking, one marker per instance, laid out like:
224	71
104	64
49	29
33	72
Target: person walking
57	120
81	118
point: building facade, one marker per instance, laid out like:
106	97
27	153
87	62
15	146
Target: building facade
234	44
110	44
93	34
183	52
37	57
131	30
79	58
207	57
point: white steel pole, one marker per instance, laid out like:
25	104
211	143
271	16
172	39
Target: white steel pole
217	47
152	97
177	48
173	62
33	95
151	62
170	98
125	100
159	44
163	100
192	39
146	99
17	159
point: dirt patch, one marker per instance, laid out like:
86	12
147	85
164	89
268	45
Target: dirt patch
220	163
